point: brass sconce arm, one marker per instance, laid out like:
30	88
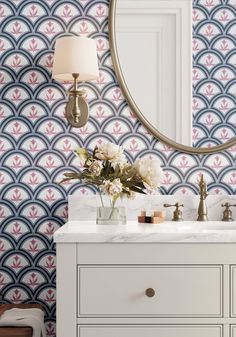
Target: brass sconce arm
77	110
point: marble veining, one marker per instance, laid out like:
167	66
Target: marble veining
168	231
84	207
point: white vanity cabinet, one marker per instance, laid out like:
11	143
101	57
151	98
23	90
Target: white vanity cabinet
137	281
150	331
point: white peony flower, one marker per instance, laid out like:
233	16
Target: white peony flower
113	153
113	187
120	161
150	171
96	167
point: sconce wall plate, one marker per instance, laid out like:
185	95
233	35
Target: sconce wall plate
83	106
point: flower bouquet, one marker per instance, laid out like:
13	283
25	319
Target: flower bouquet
108	169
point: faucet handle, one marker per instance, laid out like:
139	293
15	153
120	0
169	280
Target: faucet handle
227	214
177	214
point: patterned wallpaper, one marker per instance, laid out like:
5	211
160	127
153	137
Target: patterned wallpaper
214	58
36	143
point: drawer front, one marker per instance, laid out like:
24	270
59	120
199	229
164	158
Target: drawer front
180	291
150	331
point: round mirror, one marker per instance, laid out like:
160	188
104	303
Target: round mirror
151	48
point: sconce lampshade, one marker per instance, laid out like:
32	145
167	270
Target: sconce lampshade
75	55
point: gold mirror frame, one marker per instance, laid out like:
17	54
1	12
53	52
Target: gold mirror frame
134	107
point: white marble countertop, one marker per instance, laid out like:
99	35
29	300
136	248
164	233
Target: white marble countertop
168	231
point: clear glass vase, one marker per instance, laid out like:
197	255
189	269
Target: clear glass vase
111	216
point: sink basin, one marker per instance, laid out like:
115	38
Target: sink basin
199	226
222	227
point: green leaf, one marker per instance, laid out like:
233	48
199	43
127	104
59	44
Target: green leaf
82	153
94	152
117	171
65	179
73	175
137	189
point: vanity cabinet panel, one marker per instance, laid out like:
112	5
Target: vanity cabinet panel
180	291
233	291
233	330
150	331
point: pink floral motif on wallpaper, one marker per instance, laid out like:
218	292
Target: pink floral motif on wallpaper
36	142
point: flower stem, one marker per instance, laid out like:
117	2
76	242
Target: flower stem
100	194
112	211
112	208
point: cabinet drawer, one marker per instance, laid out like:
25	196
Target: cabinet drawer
151	331
180	291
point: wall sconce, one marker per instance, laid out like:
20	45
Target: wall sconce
75	59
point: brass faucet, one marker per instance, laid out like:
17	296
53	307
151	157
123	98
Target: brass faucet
202	208
177	215
227	214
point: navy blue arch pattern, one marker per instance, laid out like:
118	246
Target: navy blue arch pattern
37	144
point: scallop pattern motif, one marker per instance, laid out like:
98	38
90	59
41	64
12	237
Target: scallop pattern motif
36	143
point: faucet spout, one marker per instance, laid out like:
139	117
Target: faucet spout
202	208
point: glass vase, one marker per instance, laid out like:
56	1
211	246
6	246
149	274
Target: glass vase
111	216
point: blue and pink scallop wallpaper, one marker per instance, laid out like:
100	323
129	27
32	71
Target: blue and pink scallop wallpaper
36	142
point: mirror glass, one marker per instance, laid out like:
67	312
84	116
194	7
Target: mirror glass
154	51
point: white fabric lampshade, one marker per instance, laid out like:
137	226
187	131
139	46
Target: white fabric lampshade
77	55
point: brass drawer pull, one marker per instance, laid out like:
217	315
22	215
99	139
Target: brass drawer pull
150	292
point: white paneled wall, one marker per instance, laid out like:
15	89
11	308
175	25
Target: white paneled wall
154	48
